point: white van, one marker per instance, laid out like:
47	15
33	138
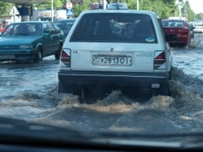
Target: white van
116	49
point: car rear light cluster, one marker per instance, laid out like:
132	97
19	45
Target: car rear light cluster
159	60
65	58
183	30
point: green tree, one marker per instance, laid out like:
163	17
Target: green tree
164	8
188	12
78	7
47	5
199	16
5	8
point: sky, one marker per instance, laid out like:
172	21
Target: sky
196	5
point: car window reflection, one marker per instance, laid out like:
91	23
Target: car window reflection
23	30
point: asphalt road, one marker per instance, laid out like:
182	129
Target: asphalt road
29	92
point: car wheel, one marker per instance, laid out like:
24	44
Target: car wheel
171	74
80	93
58	52
38	56
186	47
165	90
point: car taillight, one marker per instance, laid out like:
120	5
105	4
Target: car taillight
159	60
65	58
183	30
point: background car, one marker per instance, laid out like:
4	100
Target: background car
177	32
65	25
30	41
2	27
198	27
191	28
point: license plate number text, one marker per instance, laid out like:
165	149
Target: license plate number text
112	60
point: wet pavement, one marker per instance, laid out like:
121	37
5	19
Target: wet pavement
29	92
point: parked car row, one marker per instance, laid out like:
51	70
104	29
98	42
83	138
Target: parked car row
35	47
30	41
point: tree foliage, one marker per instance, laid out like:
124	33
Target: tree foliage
163	8
47	5
5	8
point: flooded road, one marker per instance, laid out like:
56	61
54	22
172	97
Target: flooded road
29	92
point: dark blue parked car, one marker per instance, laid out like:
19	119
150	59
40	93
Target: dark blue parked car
65	25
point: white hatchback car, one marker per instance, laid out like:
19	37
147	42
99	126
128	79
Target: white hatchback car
116	49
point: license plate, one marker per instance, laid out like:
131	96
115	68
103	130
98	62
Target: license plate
112	60
7	57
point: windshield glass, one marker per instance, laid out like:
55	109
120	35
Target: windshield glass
112	76
22	29
173	23
110	27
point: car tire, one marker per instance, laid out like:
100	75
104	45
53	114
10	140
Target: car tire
165	90
186	47
39	55
170	77
58	52
80	93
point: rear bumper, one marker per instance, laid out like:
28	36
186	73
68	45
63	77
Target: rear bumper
178	39
118	80
18	55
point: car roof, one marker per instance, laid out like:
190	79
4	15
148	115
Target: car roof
118	11
173	20
64	20
26	22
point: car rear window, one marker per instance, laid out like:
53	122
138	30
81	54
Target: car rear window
173	23
115	27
